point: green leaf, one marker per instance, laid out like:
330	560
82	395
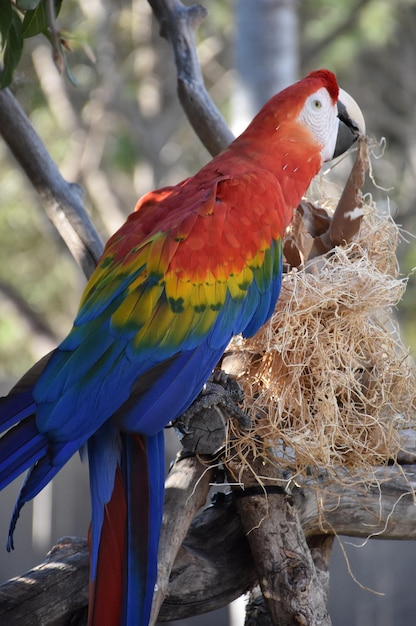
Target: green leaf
5	20
12	50
27	5
36	21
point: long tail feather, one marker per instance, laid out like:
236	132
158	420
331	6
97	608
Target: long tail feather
126	564
23	447
38	476
20	448
14	408
144	479
106	591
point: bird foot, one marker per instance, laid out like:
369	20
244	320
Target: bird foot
202	427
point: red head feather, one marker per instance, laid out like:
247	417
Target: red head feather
328	80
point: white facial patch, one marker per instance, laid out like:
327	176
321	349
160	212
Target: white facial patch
320	116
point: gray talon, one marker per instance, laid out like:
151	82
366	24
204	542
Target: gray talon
202	427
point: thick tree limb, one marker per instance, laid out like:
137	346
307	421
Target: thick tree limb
214	564
320	548
62	201
285	570
52	592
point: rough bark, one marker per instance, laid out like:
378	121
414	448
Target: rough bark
215	564
285	569
51	593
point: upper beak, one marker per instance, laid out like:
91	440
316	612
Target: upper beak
351	123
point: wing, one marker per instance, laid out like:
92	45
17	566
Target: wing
173	286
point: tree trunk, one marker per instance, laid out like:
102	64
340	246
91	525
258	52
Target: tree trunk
266	54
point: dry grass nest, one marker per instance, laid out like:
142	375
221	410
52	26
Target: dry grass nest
328	381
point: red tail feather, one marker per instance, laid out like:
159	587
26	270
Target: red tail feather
106	591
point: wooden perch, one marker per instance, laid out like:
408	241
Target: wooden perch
386	512
215	564
51	593
186	491
283	563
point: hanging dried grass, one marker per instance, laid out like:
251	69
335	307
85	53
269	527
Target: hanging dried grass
328	380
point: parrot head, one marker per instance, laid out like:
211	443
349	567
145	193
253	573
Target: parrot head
331	115
297	130
333	118
312	119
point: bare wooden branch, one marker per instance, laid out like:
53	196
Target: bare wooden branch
54	35
320	547
62	201
186	491
214	565
285	569
177	25
51	592
385	510
209	563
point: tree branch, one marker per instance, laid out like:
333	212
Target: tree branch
186	491
62	201
214	565
177	24
284	566
52	592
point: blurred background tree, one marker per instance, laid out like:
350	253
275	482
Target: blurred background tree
120	131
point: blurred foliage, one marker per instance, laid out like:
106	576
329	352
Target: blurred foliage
120	132
19	20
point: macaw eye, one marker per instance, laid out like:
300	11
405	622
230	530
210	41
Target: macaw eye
316	104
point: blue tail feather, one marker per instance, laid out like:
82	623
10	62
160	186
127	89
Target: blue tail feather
124	555
144	479
38	476
14	408
20	448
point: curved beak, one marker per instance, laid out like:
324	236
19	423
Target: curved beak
351	123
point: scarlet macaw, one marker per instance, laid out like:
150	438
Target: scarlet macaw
194	265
